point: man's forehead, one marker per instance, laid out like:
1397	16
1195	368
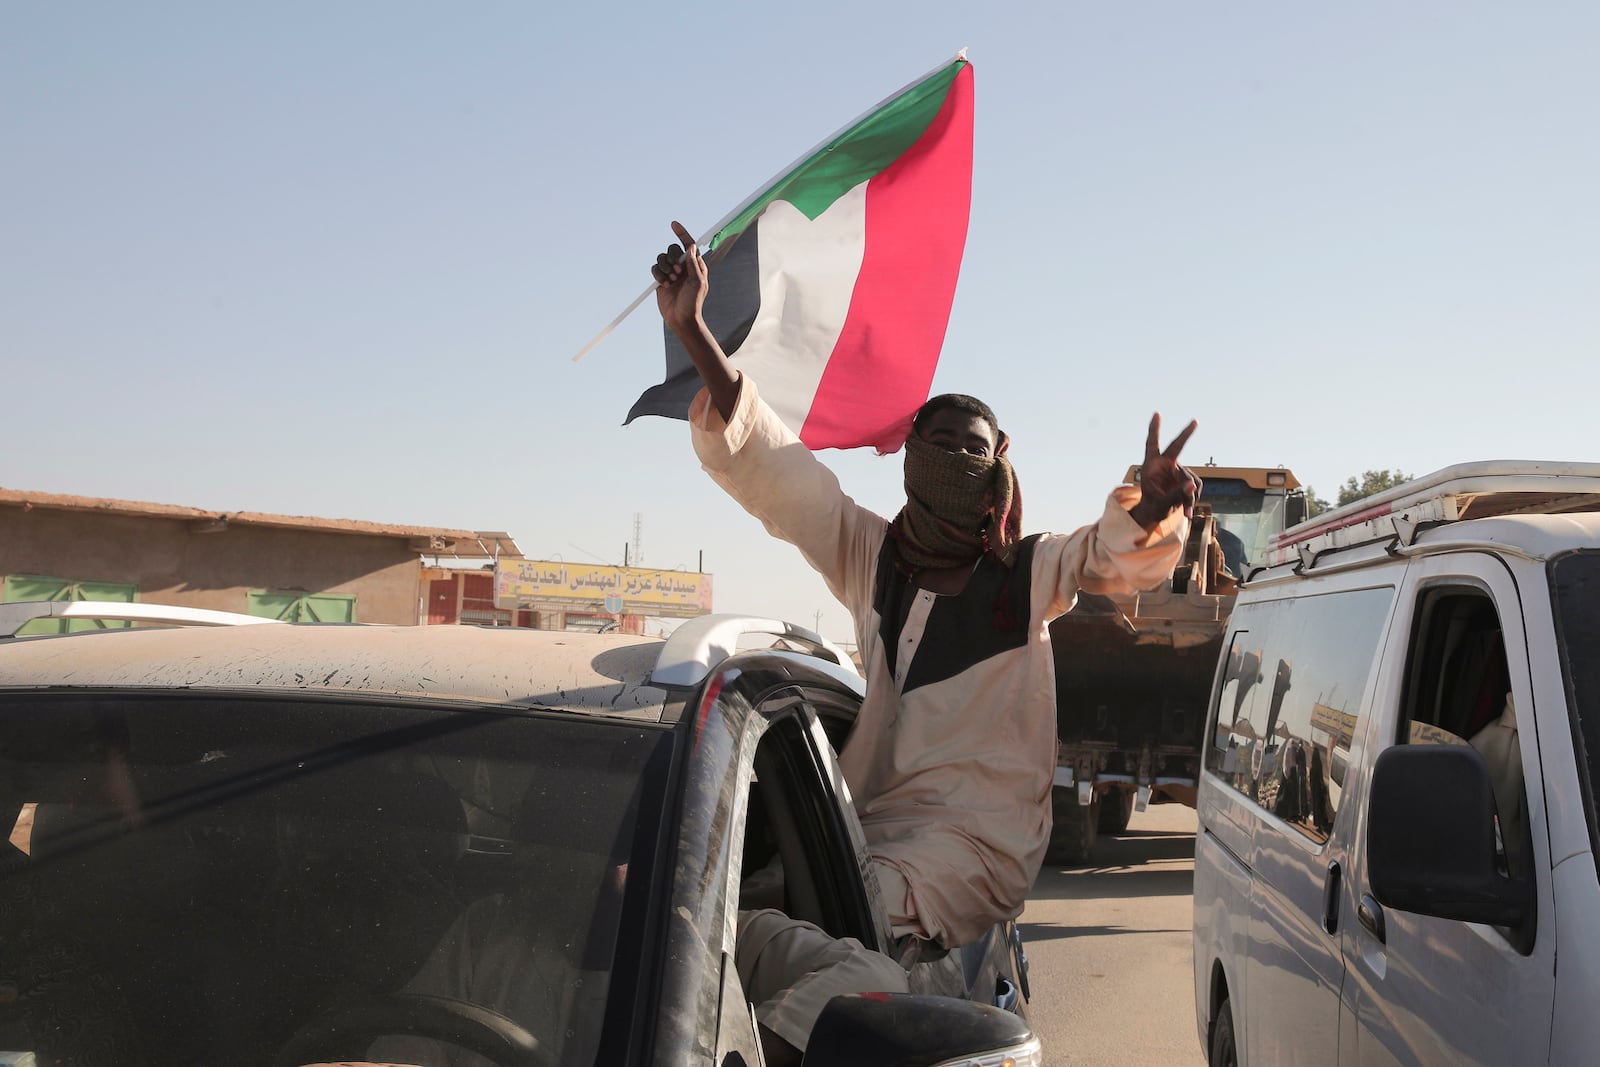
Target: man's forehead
960	421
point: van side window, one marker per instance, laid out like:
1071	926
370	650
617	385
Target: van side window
1291	698
1458	693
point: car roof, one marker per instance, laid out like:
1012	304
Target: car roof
605	674
1538	536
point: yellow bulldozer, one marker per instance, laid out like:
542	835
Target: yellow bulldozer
1134	673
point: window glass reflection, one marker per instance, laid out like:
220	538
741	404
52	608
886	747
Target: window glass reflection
1291	701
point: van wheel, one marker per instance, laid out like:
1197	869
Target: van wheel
1116	809
1074	827
1224	1053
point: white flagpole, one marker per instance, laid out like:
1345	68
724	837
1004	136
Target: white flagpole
614	323
765	188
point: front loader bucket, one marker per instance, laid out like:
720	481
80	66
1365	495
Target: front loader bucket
1130	683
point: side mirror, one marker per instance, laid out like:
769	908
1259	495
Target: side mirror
1430	838
890	1029
1294	509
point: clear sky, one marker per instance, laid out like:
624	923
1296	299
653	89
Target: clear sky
333	259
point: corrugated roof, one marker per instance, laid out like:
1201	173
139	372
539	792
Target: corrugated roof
431	540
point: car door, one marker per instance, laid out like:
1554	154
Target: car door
765	813
827	871
993	969
1317	656
1430	990
788	829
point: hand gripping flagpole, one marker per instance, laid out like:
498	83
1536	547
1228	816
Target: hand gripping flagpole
706	253
709	254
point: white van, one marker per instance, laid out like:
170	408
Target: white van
1397	823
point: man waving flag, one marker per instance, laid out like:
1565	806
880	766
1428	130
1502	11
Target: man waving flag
833	284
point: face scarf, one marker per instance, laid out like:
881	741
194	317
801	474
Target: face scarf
958	507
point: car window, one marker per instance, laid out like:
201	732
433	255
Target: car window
1246	519
1456	680
187	879
1290	702
1458	692
798	854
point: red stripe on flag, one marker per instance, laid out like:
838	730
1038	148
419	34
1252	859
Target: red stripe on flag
916	217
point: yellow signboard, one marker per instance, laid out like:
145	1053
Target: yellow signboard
617	590
1341	724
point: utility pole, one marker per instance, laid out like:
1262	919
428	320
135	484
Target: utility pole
638	539
816	624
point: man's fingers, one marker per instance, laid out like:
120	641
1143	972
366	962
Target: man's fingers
1182	439
1152	440
683	235
666	265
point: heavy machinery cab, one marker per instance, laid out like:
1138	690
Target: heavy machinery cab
1249	506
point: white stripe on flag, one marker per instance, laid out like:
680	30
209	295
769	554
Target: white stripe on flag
808	273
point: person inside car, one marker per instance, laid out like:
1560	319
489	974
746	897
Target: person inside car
952	756
1499	745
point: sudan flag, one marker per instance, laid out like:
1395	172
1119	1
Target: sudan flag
832	286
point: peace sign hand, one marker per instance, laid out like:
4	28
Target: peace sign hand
1164	484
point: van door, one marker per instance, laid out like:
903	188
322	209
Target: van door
1282	742
1429	990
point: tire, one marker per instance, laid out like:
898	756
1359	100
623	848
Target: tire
1074	828
1224	1052
1116	808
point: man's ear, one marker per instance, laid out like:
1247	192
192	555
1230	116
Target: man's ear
1002	442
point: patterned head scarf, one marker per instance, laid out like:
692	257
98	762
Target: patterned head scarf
958	507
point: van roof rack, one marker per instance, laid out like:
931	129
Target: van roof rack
1464	491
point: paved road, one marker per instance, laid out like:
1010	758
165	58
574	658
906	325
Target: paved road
1110	953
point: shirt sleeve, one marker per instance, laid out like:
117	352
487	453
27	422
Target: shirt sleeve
762	465
1115	555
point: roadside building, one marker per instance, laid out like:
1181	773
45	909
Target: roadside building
57	547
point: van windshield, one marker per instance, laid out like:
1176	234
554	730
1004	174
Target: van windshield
194	880
1575	587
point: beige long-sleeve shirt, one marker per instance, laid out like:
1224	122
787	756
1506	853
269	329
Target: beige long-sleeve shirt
952	757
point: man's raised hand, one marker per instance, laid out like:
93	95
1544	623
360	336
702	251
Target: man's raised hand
680	274
1163	483
681	286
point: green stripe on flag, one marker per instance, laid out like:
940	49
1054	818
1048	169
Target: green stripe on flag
855	155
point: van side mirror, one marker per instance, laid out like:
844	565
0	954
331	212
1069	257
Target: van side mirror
1430	838
889	1029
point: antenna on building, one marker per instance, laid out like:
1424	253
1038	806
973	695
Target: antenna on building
638	539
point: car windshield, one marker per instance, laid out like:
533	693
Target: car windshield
1247	518
195	880
1575	586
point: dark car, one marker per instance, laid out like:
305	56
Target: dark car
278	844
